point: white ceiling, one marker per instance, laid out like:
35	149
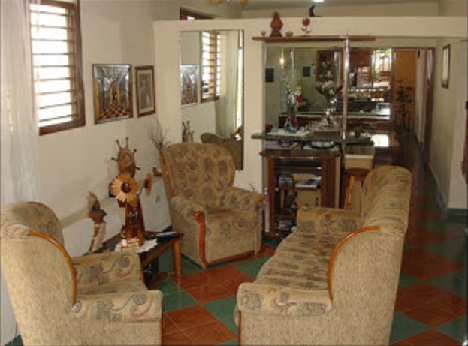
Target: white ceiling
278	4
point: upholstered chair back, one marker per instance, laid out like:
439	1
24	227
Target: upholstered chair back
198	172
36	216
37	270
367	262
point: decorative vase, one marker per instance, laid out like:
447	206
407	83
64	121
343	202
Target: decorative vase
276	25
292	117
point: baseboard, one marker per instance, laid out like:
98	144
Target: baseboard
457	214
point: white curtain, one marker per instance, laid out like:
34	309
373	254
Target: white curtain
19	169
226	106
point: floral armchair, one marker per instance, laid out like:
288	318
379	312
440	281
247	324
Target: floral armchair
219	221
96	299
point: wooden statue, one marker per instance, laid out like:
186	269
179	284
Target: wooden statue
126	159
187	134
97	215
276	24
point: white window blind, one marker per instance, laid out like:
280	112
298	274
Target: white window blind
56	58
210	65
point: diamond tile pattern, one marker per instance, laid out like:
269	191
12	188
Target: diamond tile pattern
431	304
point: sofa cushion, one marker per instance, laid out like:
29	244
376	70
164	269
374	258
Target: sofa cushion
300	261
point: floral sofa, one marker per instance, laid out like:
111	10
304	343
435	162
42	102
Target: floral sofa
333	281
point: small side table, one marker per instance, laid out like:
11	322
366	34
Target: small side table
149	260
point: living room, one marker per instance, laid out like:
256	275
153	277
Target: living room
72	163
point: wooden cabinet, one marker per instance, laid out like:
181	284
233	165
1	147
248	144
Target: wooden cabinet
298	178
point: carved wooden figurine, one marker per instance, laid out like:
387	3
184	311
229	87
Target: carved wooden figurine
97	215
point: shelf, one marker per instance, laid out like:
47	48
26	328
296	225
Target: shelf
309	38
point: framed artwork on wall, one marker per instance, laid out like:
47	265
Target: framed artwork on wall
445	66
269	75
112	90
189	82
144	80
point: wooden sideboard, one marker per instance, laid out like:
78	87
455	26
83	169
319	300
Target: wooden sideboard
286	173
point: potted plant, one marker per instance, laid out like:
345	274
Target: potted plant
404	99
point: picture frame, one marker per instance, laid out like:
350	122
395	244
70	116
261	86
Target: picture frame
144	82
112	90
445	76
189	84
269	75
306	71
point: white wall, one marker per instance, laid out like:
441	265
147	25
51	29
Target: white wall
77	161
448	127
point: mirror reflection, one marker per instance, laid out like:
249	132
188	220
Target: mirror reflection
308	81
212	78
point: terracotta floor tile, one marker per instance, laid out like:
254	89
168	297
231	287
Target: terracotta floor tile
176	338
214	333
431	315
417	236
232	285
432	337
223	274
453	304
208	293
192	280
425	265
417	295
168	326
422	215
191	317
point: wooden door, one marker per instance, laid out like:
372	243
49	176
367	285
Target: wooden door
430	63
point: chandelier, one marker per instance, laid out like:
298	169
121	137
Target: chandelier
242	2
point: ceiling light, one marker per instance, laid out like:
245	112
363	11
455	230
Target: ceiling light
318	0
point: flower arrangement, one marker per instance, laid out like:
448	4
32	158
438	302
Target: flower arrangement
329	90
294	97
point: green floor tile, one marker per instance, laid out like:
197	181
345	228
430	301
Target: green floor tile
455	328
446	227
168	286
454	282
452	249
231	343
17	341
178	300
251	268
407	280
404	327
188	266
223	310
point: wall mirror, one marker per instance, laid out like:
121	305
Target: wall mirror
212	80
300	71
381	82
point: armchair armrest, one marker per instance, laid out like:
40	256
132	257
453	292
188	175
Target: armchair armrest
186	208
282	301
336	223
101	268
241	199
137	306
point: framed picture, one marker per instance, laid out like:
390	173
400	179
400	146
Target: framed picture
189	81
112	91
144	80
445	66
306	71
269	75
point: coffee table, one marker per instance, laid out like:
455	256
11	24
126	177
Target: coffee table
149	259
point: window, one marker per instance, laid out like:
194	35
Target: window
210	65
56	59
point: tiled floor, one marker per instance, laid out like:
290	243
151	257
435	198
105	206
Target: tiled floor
431	302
